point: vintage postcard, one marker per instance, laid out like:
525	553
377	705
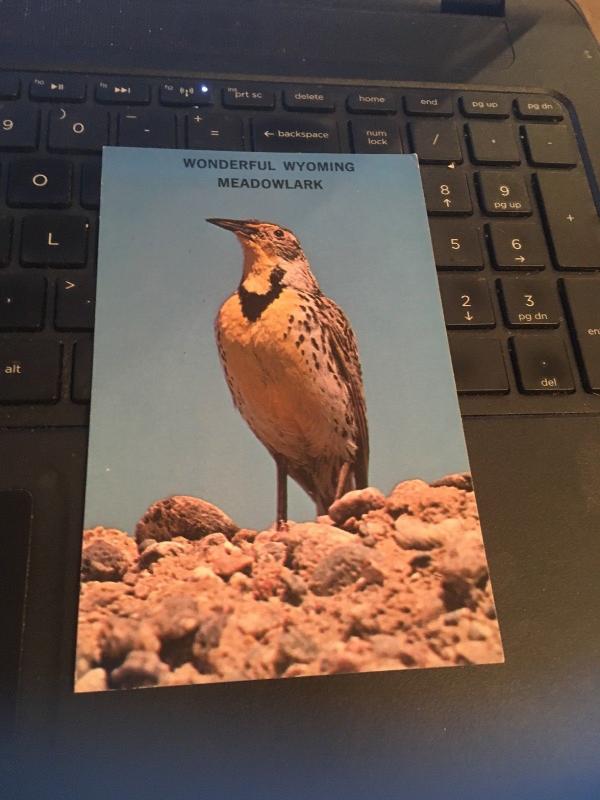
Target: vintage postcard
278	484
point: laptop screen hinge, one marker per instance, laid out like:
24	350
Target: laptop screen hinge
489	8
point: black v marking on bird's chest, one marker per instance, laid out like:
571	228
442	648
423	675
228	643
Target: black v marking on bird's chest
253	303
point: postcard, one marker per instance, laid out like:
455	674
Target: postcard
278	484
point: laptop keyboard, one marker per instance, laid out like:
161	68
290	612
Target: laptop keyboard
515	229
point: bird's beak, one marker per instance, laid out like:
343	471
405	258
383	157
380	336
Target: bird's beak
237	226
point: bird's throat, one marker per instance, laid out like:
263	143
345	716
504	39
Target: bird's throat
256	294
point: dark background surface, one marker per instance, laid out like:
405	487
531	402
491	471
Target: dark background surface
528	728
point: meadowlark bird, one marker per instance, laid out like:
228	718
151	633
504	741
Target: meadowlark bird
291	363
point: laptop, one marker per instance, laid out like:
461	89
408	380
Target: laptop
500	105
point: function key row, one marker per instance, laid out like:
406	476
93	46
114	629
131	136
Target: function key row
197	92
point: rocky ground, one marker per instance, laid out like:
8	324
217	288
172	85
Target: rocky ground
379	583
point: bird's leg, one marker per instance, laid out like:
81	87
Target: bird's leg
342	478
281	494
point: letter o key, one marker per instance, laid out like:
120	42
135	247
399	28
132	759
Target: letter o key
40	180
78	127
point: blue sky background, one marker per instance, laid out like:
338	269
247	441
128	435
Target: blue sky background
162	420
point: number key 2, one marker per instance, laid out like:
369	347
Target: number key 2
466	302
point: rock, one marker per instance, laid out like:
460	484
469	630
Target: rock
295	646
103	561
412	534
119	636
184	516
355	504
226	565
307	543
176	616
405	586
341	567
93	681
208	636
460	480
138	670
477	632
153	550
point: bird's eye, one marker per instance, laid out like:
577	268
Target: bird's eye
279	233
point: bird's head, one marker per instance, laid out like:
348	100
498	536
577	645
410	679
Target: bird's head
268	246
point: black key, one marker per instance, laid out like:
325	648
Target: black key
542	364
517	245
446	191
583	306
147	129
503	193
10	86
214	132
55	240
5	238
22	302
466	302
571	220
486	105
123	90
493	143
238	97
375	136
69	88
535	106
438	104
478	365
550	146
456	245
40	183
81	388
78	130
29	371
75	300
371	101
435	141
185	93
19	127
16	516
289	134
527	303
308	98
90	184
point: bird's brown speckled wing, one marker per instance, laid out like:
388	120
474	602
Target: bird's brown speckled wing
342	342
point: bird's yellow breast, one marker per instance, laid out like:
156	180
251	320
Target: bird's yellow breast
276	367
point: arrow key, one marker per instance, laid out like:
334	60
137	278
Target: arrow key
75	300
517	245
446	191
466	301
